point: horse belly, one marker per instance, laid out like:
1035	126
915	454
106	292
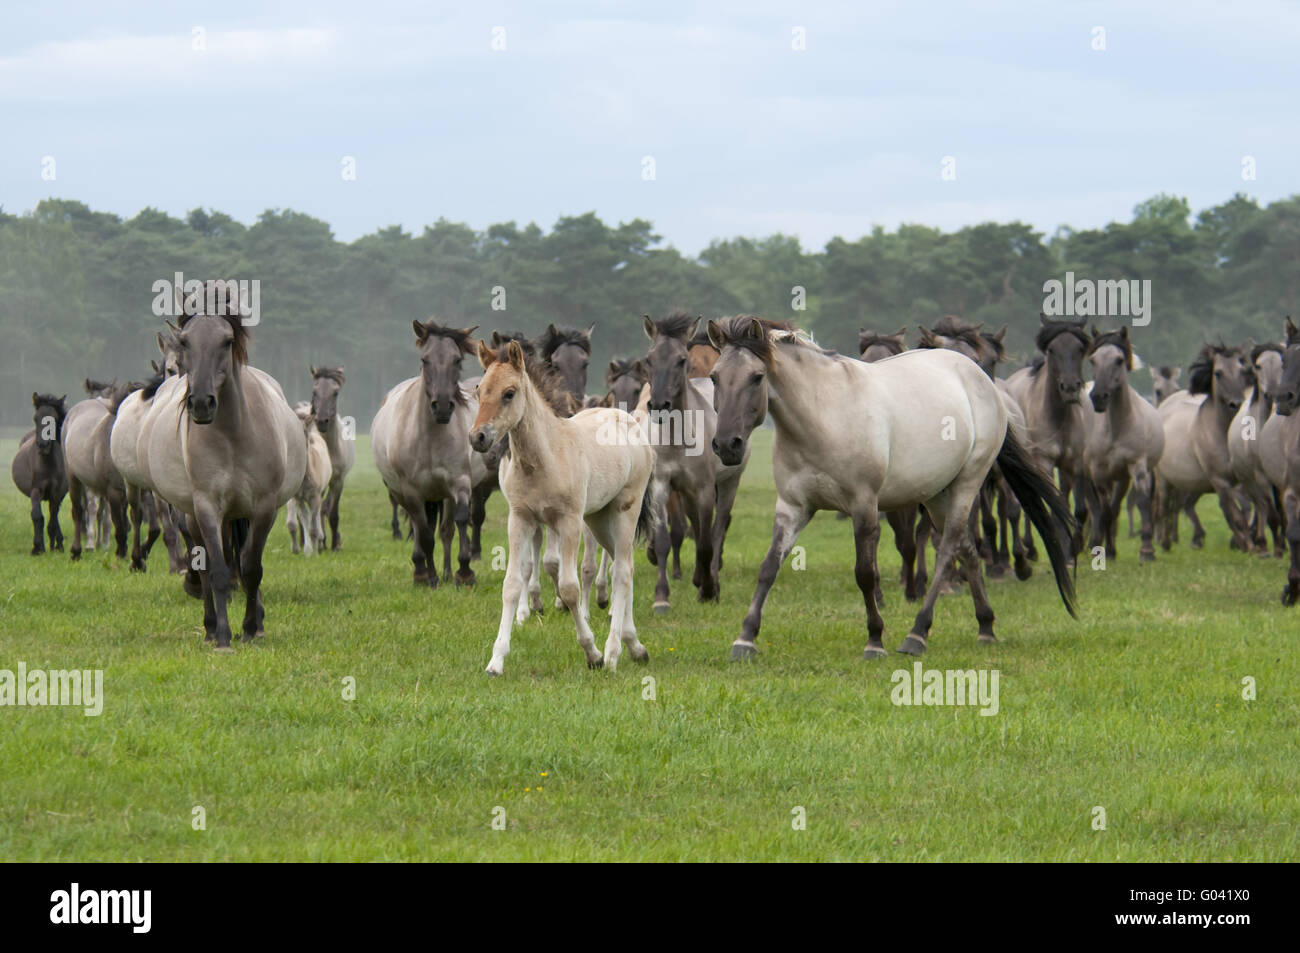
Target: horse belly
124	437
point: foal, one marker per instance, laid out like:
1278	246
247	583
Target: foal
561	472
326	383
38	469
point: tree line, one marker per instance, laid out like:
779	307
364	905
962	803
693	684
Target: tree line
76	285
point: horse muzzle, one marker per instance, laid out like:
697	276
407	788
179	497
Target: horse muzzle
442	410
481	438
730	452
203	409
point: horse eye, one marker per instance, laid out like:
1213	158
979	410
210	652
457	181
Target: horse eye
508	395
756	379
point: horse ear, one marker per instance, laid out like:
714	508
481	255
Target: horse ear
715	336
1292	332
901	333
608	400
465	345
486	356
516	355
755	330
1123	331
162	345
649	327
36	399
694	327
85	383
421	332
154	365
1002	333
590	328
312	368
640	369
1043	317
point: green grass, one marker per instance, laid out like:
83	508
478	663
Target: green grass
1137	709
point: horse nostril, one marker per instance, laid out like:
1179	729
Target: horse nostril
736	443
715	445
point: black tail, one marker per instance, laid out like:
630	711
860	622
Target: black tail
645	520
1046	508
239	530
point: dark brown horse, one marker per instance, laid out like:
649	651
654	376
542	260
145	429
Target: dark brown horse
38	469
326	383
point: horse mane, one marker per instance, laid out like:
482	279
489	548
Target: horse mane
893	343
1036	364
58	403
951	326
621	366
93	387
501	338
335	373
1116	339
553	338
735	332
1259	349
548	381
228	310
1051	330
1200	376
150	387
120	394
677	325
1168	372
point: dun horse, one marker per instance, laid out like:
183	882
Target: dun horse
326	383
222	444
87	448
304	517
1243	446
38	470
1279	452
853	437
562	473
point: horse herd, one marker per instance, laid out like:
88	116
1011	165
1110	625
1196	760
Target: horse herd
207	450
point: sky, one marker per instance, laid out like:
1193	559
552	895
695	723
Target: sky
712	120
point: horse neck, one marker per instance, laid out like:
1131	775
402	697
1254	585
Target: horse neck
794	402
334	435
1261	406
1212	407
232	406
533	439
1121	403
1049	397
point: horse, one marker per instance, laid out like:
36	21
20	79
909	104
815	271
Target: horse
874	346
1196	460
1279	453
326	382
701	356
39	472
305	510
87	450
420	441
1165	380
1243	446
707	484
98	522
1049	393
1124	444
223	445
923	427
562	473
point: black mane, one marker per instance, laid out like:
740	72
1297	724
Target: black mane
553	338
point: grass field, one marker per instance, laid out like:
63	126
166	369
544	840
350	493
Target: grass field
1136	709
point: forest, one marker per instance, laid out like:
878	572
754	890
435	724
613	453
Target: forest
76	285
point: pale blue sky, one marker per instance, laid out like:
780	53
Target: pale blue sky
749	136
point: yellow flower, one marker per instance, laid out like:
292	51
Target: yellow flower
543	774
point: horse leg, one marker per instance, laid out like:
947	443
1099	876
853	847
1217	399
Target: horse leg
866	540
1291	509
676	531
477	515
590	549
250	574
465	551
1130	504
615	530
1232	513
1002	558
519	532
721	520
53	529
217	576
291	524
199	555
604	571
535	572
136	513
951	530
1113	506
92	522
116	495
900	521
1031	551
659	547
551	563
150	504
38	521
527	559
396	523
706	583
1142	496
1198	531
921	535
424	538
988	542
567	533
787	523
970	560
332	511
1276	522
77	490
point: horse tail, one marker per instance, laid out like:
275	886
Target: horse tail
646	520
239	530
1046	509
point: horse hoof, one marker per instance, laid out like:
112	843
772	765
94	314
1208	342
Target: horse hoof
466	578
224	650
912	645
642	659
1146	557
677	574
743	651
602	602
37	551
987	638
596	663
1197	544
76	555
662	608
874	652
1288	597
494	672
